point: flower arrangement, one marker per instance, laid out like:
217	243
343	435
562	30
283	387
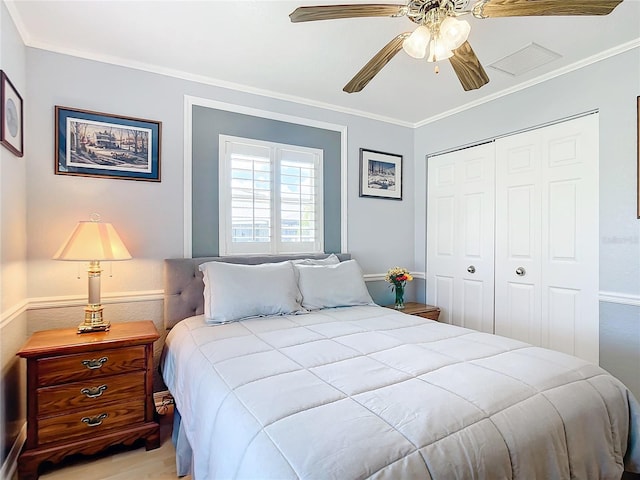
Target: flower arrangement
398	278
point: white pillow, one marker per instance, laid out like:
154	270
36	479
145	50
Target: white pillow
233	291
325	286
330	260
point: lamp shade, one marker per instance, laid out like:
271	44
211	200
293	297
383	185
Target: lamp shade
91	241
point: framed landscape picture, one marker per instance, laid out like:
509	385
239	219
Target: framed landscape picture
11	135
94	144
380	174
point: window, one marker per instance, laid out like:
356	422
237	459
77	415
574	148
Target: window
270	197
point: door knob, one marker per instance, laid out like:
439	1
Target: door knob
471	269
521	272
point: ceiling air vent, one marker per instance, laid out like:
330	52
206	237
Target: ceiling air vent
526	59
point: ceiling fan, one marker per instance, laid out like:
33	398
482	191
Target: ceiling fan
440	34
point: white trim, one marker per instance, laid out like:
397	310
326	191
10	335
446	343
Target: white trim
344	190
40	303
187	180
11	462
61	301
534	81
11	314
191	101
620	298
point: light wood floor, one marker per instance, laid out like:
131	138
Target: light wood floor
120	463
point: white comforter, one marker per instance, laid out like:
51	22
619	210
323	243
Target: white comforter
367	392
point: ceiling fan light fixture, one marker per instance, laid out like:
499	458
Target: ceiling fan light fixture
438	50
454	32
415	45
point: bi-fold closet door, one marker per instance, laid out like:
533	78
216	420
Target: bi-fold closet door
512	236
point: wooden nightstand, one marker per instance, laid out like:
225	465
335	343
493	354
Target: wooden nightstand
86	392
420	309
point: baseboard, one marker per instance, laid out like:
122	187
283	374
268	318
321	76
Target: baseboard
10	465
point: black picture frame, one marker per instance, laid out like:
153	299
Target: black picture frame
380	174
11	117
104	145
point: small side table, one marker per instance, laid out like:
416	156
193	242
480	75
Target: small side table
419	309
86	392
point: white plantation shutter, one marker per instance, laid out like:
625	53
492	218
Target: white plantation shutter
270	197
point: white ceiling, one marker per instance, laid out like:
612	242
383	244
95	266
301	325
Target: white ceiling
252	46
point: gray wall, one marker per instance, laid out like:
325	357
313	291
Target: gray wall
209	123
150	216
611	87
13	267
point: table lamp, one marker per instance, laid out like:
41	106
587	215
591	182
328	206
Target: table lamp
93	241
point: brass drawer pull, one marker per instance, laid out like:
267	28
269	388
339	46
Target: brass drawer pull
94	421
93	392
93	364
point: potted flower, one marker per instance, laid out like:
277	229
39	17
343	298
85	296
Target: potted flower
398	278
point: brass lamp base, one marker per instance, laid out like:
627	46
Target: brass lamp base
93	321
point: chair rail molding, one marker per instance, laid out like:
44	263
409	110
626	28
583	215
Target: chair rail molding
621	298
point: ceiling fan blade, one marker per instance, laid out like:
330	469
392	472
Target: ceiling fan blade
376	64
468	68
332	12
524	8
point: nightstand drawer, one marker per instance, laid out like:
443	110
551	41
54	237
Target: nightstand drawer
431	315
90	422
67	368
90	393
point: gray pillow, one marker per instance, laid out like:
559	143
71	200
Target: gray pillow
233	292
339	285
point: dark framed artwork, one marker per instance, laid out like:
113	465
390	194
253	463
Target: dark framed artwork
380	174
93	144
11	130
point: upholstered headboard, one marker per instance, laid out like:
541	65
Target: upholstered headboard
183	285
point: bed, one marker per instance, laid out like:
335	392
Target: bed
361	391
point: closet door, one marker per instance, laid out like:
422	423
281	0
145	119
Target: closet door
547	237
460	236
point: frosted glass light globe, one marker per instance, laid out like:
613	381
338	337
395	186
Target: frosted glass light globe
416	44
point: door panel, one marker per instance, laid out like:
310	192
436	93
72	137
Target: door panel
460	223
569	254
547	230
443	296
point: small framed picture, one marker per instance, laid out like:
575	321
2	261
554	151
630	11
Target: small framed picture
11	133
380	174
93	144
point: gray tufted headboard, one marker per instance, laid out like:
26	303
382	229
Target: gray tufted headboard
183	285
